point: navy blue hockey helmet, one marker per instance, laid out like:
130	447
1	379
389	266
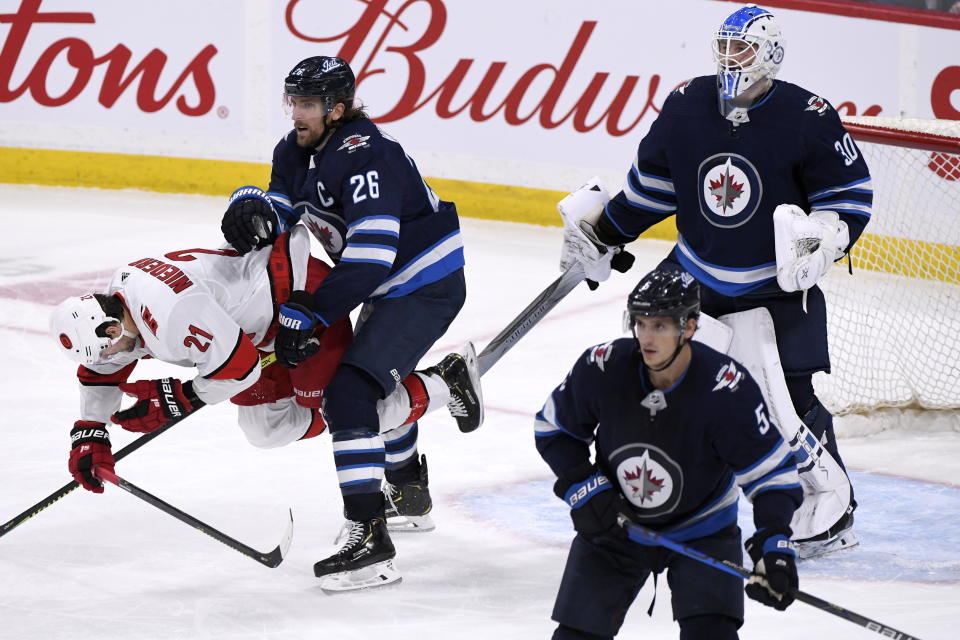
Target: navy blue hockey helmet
668	293
325	77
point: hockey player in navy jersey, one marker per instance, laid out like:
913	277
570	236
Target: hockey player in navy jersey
768	190
675	439
397	251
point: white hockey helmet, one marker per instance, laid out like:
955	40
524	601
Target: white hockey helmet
77	325
748	49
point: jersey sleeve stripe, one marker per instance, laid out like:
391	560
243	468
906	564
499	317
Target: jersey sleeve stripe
855	207
864	185
355	232
89	378
653	183
771	460
445	255
280	199
645	202
240	362
385	224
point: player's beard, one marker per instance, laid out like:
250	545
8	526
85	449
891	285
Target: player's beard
313	135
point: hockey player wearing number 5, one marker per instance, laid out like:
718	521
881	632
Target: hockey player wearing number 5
768	191
397	250
215	310
676	439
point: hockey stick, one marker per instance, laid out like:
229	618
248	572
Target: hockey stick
270	559
534	312
643	535
70	486
15	522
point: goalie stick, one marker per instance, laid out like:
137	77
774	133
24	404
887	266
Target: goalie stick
543	303
645	536
270	559
15	522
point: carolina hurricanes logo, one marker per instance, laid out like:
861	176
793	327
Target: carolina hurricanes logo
730	190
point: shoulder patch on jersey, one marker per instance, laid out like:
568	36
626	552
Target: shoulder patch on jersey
600	354
728	377
818	104
682	87
353	142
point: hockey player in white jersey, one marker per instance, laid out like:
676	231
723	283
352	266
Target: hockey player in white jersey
215	310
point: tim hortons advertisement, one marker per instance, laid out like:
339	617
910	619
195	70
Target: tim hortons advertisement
538	93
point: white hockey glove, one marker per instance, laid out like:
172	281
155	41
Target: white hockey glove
580	211
806	246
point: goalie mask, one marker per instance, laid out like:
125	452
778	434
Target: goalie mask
79	327
748	49
324	77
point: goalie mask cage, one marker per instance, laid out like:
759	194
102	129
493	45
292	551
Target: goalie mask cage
894	325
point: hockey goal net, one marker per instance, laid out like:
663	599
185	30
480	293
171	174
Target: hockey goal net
894	324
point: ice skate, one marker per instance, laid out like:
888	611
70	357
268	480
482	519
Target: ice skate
838	537
364	561
460	372
408	505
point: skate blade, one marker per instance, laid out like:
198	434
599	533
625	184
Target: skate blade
376	575
411	524
809	550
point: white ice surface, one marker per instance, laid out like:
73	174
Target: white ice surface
111	567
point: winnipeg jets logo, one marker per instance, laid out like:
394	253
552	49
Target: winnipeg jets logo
650	480
330	64
644	481
728	376
600	354
727	187
818	104
730	190
325	233
354	142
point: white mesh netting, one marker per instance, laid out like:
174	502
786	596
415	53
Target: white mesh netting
894	325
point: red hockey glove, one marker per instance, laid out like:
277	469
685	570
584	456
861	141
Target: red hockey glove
158	402
91	447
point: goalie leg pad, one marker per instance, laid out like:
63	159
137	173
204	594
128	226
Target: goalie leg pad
826	487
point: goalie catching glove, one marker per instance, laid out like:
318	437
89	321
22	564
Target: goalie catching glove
91	448
774	581
158	402
248	222
806	246
580	211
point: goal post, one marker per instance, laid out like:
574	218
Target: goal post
894	324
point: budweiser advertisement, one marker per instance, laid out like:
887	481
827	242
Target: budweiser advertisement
540	93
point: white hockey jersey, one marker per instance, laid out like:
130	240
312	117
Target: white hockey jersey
204	308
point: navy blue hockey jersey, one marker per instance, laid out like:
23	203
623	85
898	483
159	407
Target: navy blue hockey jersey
363	198
723	181
677	455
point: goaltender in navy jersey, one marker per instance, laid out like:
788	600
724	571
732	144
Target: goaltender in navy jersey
678	455
723	181
363	198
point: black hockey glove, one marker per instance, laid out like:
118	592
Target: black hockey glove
594	501
249	220
298	337
774	581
